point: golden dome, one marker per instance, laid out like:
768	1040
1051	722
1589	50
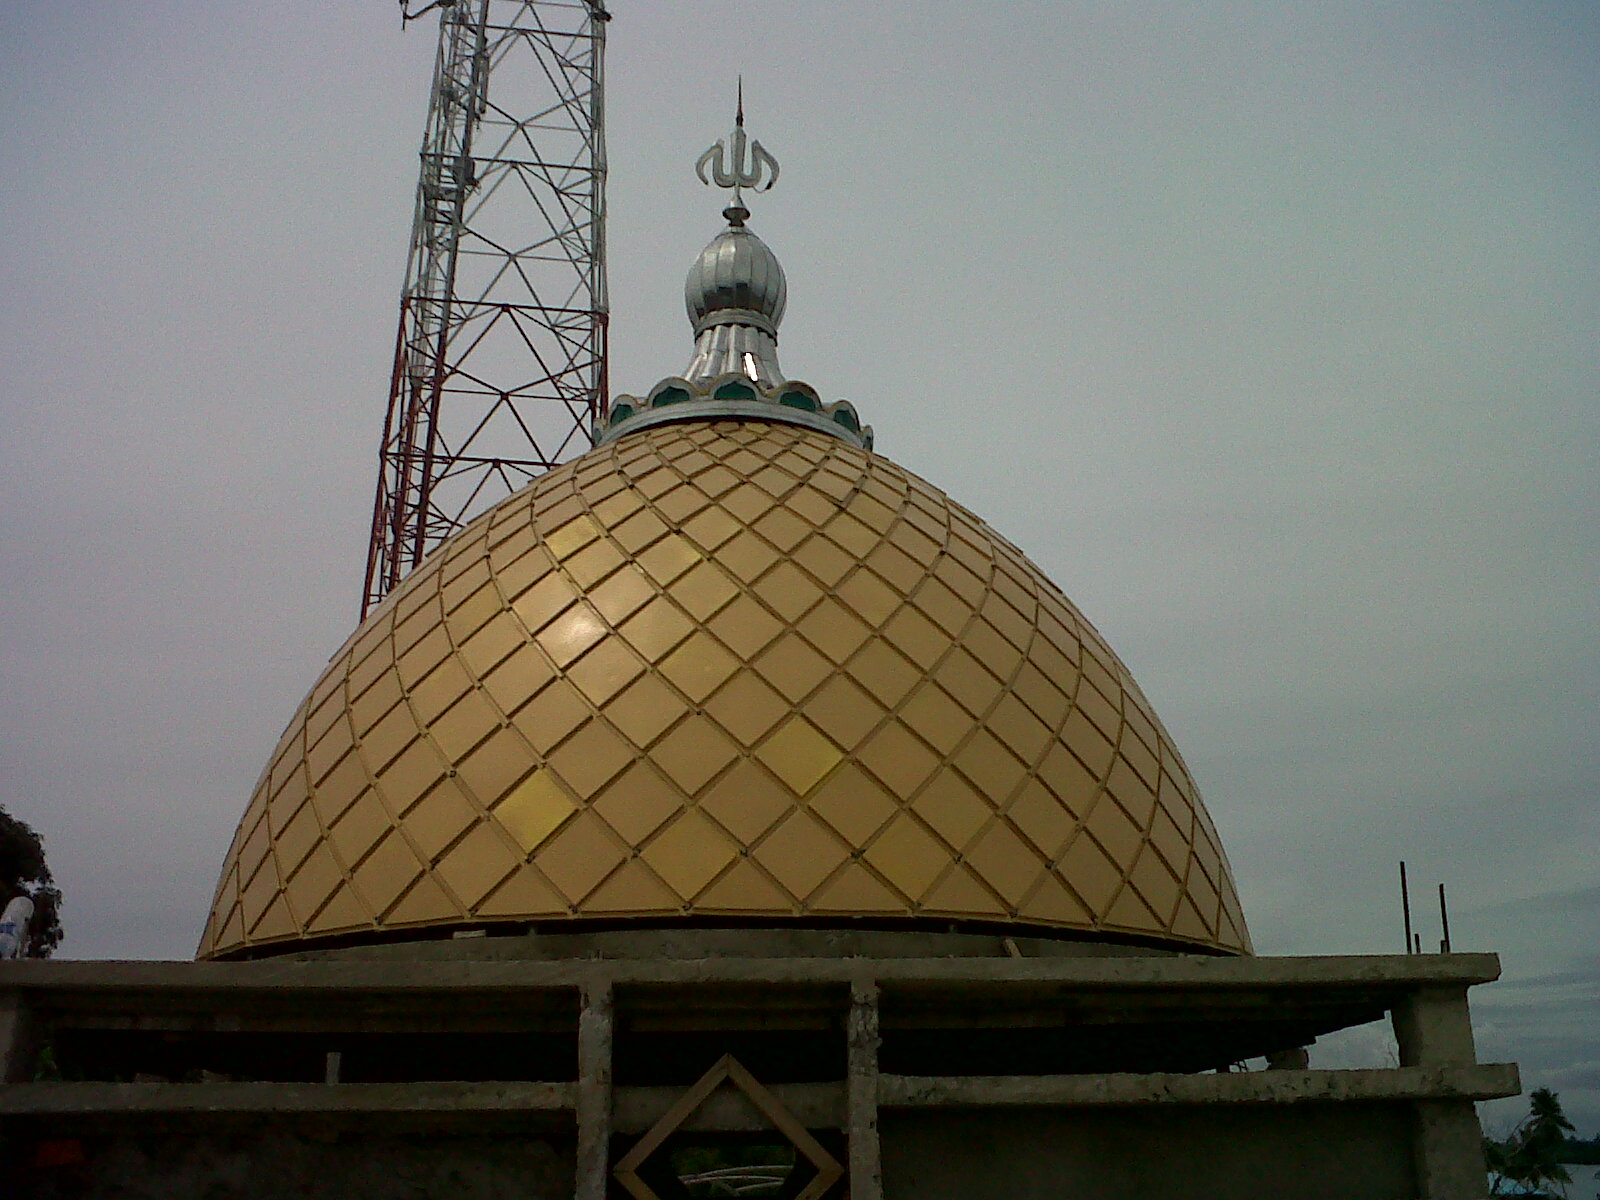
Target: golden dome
725	671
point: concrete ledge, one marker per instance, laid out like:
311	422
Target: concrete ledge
172	979
220	1099
1487	1082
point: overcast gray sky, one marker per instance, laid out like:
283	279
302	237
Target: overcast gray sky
1270	330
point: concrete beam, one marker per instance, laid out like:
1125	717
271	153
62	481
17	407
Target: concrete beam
594	1092
16	1038
161	983
861	1031
1433	1027
1487	1082
727	1110
223	1099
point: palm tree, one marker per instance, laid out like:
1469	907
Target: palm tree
1531	1156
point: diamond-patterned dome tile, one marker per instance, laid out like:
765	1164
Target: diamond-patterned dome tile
746	653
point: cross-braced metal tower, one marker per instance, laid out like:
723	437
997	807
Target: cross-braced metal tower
500	364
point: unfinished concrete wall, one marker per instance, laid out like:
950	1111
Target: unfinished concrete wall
275	1163
1353	1152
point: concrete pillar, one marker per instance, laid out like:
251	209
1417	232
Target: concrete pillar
16	1039
1448	1151
1434	1028
593	1104
866	1166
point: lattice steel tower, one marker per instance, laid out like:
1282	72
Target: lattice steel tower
500	363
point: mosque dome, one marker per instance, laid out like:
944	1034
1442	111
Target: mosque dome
728	667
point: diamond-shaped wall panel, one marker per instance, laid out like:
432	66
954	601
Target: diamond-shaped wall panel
722	669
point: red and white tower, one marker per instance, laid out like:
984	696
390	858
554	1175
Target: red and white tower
500	363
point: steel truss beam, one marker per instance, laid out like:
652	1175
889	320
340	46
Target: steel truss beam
500	361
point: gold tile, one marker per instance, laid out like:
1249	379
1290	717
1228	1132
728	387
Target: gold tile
745	627
952	809
799	755
316	880
580	856
699	666
570	634
834	630
426	902
518	679
639	531
644	710
693	752
492	644
590	758
668	558
868	597
1043	698
1087	743
937	719
1170	842
704	590
942	606
960	892
689	853
745	890
473	867
605	670
1115	831
968	682
844	712
680	503
572	536
908	856
387	871
384	741
787	591
793	667
992	650
375	702
438	819
746	801
622	594
883	672
593	563
1022	733
1041	818
823	560
851	536
294	841
746	503
783	529
416	770
534	809
746	707
711	527
1008	622
632	889
1054	903
636	803
471	719
471	615
551	715
655	629
800	853
1092	874
746	557
899	570
854	889
872	513
433	696
342	913
358	830
1006	863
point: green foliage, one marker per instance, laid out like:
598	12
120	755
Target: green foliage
1531	1156
24	871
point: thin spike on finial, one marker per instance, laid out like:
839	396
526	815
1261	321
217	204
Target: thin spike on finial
739	116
